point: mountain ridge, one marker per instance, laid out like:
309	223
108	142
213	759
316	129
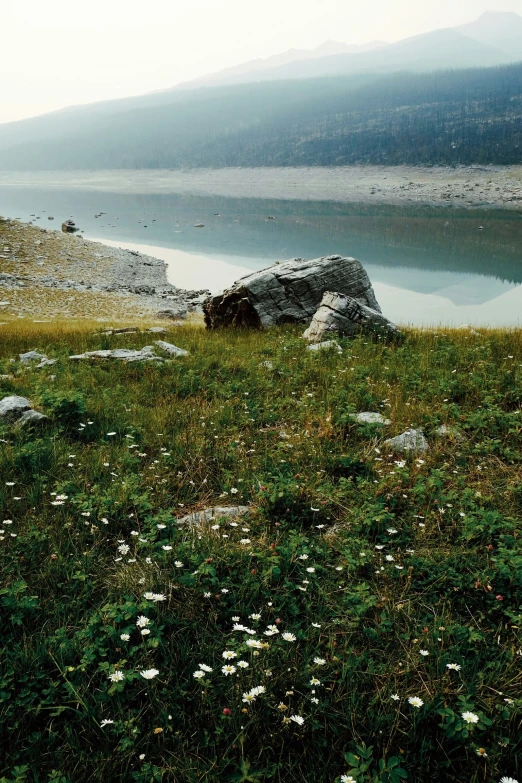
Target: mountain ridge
497	37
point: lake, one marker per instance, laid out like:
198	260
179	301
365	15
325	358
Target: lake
428	265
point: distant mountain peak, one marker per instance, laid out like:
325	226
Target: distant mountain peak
500	29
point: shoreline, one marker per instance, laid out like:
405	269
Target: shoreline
44	272
466	187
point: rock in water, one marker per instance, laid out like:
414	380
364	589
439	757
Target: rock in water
13	407
69	227
288	293
345	315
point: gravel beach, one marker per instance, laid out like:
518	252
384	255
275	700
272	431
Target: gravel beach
465	187
52	274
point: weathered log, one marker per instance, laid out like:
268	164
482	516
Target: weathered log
346	316
288	293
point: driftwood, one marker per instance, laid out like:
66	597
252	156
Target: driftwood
345	316
288	293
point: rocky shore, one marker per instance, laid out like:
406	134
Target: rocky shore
51	274
463	186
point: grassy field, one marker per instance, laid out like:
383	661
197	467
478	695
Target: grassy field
361	623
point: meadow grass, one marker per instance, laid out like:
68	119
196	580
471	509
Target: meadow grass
369	605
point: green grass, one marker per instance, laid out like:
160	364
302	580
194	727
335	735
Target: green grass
133	447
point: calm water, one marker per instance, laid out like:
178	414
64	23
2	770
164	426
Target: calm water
428	266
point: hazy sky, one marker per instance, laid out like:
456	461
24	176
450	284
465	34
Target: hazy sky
55	53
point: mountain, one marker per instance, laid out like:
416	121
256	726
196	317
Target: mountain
447	117
502	30
439	49
494	38
259	67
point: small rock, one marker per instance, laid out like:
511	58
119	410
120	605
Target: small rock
122	330
145	354
172	350
30	419
267	364
367	417
46	363
214	512
157	330
446	431
171	313
325	345
11	408
32	356
411	440
69	227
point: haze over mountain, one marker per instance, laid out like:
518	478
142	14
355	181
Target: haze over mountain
494	38
500	30
391	104
262	67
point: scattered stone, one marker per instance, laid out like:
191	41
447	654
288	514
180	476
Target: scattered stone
267	364
288	293
346	316
145	354
31	420
172	350
12	408
170	313
447	431
199	225
368	417
325	345
214	512
69	227
157	330
32	356
411	440
46	363
122	330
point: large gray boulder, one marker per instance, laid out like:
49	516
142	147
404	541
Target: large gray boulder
13	407
347	316
289	292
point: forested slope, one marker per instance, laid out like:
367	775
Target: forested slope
445	117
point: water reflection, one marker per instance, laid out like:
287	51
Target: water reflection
430	265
